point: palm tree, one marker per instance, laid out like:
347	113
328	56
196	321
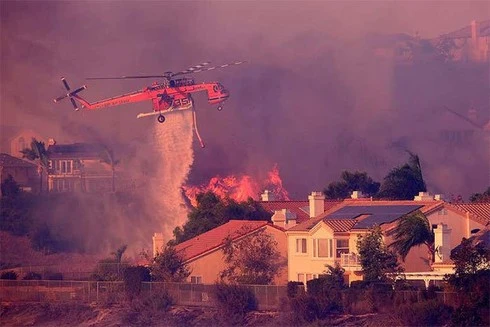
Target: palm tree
413	230
37	152
404	182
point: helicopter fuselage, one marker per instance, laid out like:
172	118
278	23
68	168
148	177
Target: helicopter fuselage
175	93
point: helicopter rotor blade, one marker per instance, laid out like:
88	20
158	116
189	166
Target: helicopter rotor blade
74	104
168	75
65	83
192	69
127	77
217	67
60	98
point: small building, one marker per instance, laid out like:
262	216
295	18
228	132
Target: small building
204	253
79	167
23	172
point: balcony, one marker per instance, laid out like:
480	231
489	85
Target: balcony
350	261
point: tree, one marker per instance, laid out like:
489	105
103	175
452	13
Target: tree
376	260
351	181
405	182
481	197
9	187
413	230
118	254
252	260
169	266
15	208
471	256
37	152
212	211
111	269
472	273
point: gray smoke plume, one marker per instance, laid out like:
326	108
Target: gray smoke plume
314	97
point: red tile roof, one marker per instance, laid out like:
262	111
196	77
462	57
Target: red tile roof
479	212
7	160
342	225
300	208
214	238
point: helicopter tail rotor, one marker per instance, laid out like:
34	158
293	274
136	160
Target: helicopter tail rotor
70	93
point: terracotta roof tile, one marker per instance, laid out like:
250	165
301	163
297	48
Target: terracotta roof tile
340	225
214	238
300	208
479	212
7	160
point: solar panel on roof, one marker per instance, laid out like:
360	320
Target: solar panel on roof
378	214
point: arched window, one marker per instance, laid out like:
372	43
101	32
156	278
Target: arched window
22	143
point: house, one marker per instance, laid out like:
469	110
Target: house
79	167
331	236
287	214
470	43
21	140
204	254
23	172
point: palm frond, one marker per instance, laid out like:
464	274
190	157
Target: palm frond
412	230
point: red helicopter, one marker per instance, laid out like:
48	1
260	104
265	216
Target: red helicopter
171	95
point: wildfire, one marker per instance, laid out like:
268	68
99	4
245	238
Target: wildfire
240	187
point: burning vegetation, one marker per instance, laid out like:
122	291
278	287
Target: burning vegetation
240	187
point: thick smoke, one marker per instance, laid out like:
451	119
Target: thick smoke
312	98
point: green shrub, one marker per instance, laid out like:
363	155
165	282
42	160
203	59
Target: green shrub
234	302
304	309
142	312
133	276
32	276
294	288
12	275
424	313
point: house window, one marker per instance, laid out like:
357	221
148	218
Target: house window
301	245
196	279
442	212
301	278
342	247
309	277
323	248
66	166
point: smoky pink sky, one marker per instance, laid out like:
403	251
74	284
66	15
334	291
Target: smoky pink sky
311	97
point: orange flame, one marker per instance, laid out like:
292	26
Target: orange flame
240	188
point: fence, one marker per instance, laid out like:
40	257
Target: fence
268	296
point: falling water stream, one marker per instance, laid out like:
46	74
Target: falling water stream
173	146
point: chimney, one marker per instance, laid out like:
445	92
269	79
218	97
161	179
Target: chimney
357	195
284	218
268	196
442	243
317	203
439	197
423	196
157	243
475	31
